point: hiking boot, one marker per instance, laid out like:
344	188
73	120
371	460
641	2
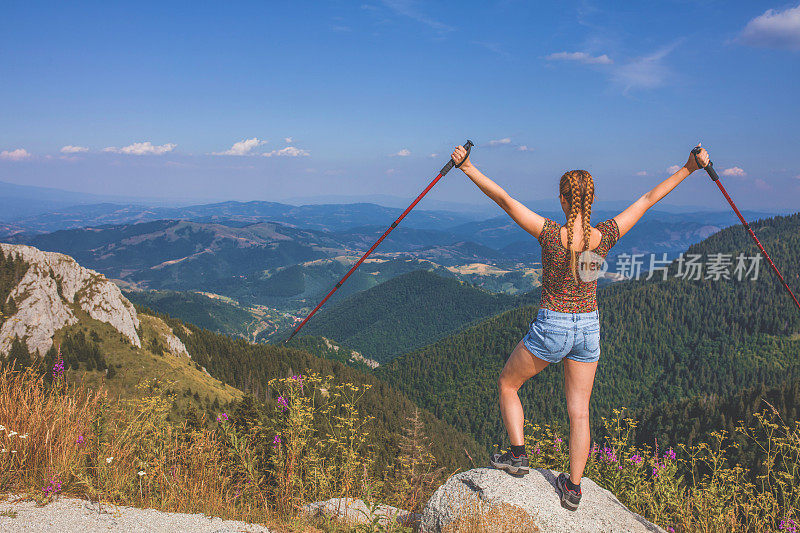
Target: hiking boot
569	498
518	466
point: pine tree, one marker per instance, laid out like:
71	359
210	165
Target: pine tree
246	416
20	355
414	473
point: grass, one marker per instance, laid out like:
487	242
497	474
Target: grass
136	365
79	438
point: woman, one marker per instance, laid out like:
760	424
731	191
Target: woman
567	325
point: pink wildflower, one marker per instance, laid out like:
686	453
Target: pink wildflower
282	401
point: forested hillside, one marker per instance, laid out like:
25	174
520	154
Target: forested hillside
408	312
692	420
249	367
661	341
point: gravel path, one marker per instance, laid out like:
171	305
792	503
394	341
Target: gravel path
71	514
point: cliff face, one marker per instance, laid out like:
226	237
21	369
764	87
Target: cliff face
53	289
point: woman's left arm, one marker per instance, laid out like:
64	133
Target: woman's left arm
527	219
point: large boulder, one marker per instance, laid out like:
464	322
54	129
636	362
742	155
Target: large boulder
485	499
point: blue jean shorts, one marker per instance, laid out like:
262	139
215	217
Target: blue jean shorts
553	335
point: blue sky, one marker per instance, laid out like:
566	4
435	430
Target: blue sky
353	98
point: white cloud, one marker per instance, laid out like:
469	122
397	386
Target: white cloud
762	185
15	155
69	149
774	29
734	171
390	171
288	140
498	142
437	155
289	151
673	169
644	173
580	57
644	72
243	147
144	148
408	9
524	148
405	152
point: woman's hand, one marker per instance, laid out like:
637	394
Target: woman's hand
460	154
702	158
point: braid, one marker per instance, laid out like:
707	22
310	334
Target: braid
586	208
574	208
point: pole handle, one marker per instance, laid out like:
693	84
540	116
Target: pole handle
450	164
708	168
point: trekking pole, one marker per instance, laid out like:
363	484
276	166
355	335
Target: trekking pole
715	178
450	164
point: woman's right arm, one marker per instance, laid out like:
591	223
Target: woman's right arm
626	220
531	222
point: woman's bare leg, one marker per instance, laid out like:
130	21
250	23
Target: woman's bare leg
578	382
520	367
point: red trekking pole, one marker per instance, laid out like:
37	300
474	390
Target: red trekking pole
715	178
468	145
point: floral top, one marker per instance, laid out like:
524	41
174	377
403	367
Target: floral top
560	291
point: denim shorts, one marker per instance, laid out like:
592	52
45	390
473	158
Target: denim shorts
554	335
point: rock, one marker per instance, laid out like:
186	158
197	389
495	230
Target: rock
50	292
486	499
357	512
175	345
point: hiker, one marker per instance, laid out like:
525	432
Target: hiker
567	325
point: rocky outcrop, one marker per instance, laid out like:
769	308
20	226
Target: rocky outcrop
490	500
50	293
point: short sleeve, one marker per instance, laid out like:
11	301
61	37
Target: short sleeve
610	231
547	229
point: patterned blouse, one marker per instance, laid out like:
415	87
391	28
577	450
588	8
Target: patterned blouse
560	291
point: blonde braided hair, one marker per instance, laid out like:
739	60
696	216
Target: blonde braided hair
577	188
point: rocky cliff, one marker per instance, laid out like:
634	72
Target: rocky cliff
52	292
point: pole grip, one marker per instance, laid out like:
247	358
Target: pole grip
450	164
709	168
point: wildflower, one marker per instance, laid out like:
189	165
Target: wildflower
788	525
2	428
276	440
670	454
636	459
12	434
54	487
140	473
671	529
4	450
25	436
282	401
109	459
79	440
222	417
58	369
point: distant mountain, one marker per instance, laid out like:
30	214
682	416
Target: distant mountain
267	263
662	341
332	217
408	312
23	201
